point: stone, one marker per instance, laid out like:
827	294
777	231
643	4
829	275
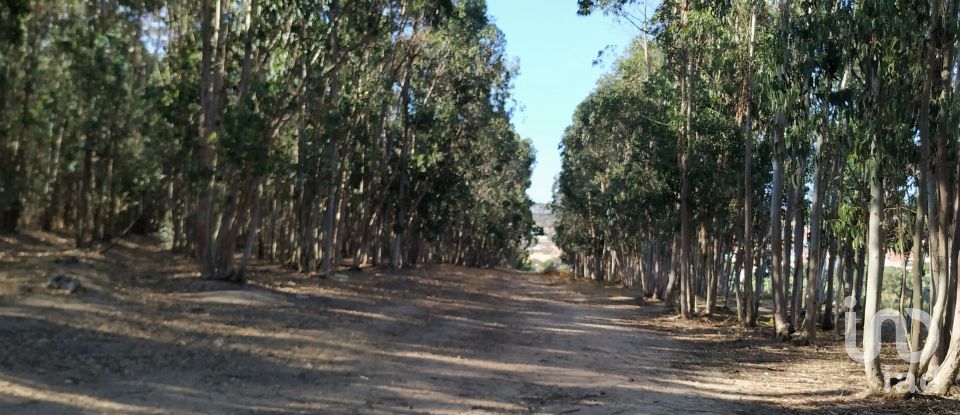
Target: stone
64	282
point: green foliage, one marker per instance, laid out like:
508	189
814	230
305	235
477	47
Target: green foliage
825	93
402	106
620	175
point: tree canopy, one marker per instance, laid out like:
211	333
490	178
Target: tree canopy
775	150
306	133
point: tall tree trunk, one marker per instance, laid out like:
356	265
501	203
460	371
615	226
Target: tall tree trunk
333	166
916	301
776	199
211	73
876	252
799	235
814	265
776	232
946	374
400	221
938	276
787	251
687	304
749	318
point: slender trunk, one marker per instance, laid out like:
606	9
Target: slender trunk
672	262
758	261
687	304
685	243
252	230
738	284
333	166
329	216
938	277
714	276
83	197
946	374
843	275
798	238
748	319
787	251
53	189
826	322
776	243
399	231
211	72
916	301
876	252
904	258
858	283
814	265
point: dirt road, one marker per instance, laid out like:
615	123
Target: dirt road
146	337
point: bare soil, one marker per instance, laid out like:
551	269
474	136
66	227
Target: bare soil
145	336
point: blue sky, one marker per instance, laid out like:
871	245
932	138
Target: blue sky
556	49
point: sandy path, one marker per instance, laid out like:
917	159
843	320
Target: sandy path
543	346
147	337
444	340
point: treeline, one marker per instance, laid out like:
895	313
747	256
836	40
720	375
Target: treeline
795	142
310	133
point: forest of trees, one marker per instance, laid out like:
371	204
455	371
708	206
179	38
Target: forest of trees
738	138
311	133
742	149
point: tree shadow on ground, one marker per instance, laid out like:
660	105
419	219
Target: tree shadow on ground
436	340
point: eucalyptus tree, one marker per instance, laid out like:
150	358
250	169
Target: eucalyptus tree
297	132
746	35
251	76
938	126
614	166
884	125
12	16
854	100
780	120
690	80
821	82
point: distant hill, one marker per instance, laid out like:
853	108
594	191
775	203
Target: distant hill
544	250
543	217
